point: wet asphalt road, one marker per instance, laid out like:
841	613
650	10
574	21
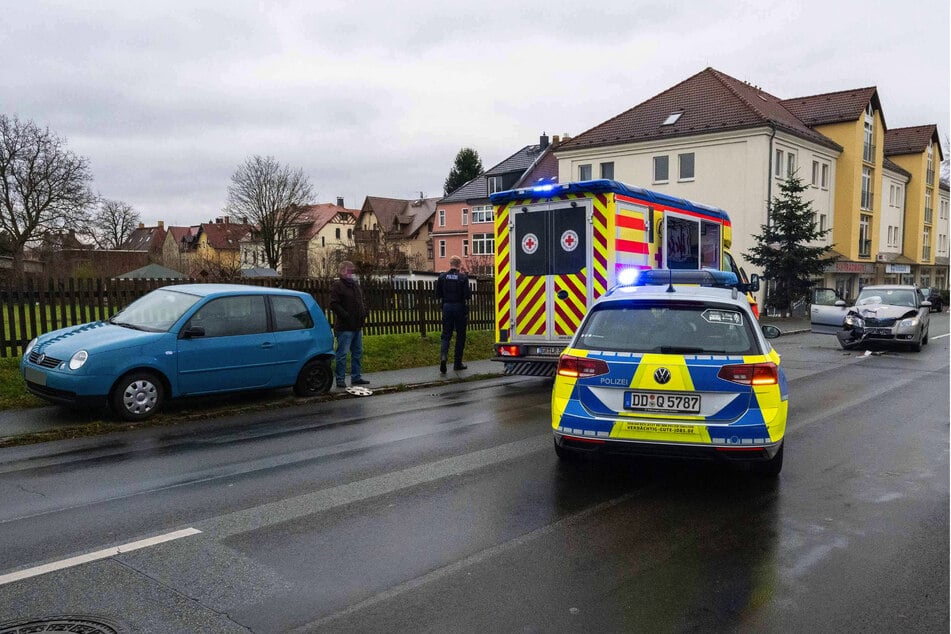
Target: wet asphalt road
445	509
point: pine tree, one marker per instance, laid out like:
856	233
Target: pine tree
785	249
467	166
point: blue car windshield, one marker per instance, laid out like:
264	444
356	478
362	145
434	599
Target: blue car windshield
155	312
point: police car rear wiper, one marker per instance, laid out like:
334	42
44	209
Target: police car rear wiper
680	350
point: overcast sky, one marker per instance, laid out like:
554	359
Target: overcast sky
166	99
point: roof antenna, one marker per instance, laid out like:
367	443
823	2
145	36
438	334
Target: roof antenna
670	283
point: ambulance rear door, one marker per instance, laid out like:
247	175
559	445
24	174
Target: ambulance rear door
551	244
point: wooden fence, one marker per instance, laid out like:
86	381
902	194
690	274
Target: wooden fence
396	307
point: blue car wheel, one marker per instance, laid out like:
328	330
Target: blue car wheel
137	396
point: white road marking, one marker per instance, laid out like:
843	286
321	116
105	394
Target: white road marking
94	556
940	336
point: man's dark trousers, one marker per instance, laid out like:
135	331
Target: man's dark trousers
454	319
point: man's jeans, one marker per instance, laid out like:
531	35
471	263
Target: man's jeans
349	341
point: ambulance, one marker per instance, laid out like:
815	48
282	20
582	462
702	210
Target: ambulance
559	247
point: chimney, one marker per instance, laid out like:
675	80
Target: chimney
161	225
227	219
141	225
543	141
340	201
565	137
555	139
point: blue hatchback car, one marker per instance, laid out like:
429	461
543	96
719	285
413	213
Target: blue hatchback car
185	340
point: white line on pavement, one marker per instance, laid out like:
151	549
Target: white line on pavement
99	554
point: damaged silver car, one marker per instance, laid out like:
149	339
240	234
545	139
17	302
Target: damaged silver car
886	313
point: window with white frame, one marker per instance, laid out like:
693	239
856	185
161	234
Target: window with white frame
465	248
495	184
822	222
661	169
442	248
815	174
483	244
465	216
866	201
824	183
607	170
482	213
778	163
926	244
943	209
584	172
868	147
686	162
865	241
441	214
891	236
928	212
790	165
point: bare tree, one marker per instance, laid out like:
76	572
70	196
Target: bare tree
270	196
44	188
113	223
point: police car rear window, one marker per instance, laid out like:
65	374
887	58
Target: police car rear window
668	328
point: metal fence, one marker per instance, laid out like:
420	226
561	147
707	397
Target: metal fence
396	306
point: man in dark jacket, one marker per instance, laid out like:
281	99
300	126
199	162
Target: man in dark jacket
350	314
452	290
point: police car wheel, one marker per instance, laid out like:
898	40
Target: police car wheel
565	455
771	467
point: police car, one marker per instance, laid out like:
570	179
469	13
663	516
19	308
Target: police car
674	364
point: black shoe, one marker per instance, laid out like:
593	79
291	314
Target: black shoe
442	366
341	384
359	382
459	366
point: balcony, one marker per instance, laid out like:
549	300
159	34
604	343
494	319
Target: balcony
865	248
926	254
366	236
929	215
868	153
868	200
929	177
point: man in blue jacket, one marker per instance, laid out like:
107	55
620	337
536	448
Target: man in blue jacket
452	290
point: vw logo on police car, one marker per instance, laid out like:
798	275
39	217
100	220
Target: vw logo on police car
662	375
530	243
569	240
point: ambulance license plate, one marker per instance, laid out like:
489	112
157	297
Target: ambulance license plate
674	402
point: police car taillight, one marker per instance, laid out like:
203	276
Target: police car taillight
581	367
750	374
508	350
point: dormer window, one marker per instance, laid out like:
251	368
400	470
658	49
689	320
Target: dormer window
672	118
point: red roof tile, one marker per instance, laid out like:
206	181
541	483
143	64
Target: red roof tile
709	101
912	140
834	107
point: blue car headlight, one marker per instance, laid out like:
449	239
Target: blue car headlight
77	360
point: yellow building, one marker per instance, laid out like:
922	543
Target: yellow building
918	151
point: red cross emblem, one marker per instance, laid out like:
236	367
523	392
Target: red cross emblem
530	243
569	240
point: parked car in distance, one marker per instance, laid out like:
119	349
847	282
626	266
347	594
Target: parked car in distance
673	365
934	296
883	313
185	340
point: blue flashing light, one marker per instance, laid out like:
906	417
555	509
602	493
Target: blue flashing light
627	277
543	188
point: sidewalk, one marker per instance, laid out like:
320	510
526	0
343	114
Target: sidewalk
49	418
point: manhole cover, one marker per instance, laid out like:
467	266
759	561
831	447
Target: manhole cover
77	624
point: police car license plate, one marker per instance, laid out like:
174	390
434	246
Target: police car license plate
675	402
550	351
